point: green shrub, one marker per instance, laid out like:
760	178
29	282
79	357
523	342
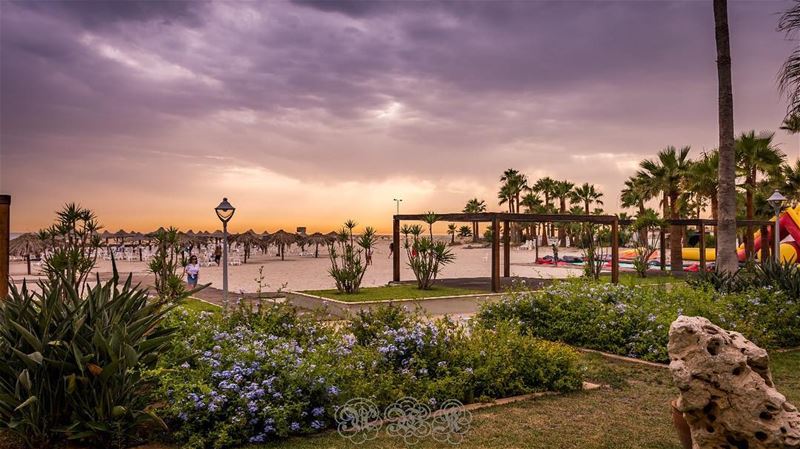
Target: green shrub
74	366
634	320
266	374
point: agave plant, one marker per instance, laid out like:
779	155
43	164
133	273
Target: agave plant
73	365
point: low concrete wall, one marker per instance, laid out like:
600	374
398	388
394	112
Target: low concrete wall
440	305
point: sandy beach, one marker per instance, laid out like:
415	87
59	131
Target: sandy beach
306	272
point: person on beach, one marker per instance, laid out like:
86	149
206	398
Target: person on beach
368	256
192	271
391	249
217	254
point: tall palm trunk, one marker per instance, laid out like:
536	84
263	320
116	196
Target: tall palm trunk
562	228
586	206
727	261
675	235
748	235
714	206
643	241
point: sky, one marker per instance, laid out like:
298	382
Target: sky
307	113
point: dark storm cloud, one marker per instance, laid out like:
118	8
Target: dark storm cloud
317	90
103	13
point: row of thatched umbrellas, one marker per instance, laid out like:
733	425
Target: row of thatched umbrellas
31	243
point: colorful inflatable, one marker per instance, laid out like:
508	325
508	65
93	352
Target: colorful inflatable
789	229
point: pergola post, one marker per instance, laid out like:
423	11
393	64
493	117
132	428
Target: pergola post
5	230
495	255
764	243
506	252
662	250
615	251
702	246
396	249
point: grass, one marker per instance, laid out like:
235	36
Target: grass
200	306
634	413
631	279
402	291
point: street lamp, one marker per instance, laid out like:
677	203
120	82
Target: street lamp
225	212
398	201
776	200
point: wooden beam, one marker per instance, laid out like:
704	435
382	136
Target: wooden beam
662	241
503	216
5	231
615	252
764	243
496	255
702	247
506	250
396	249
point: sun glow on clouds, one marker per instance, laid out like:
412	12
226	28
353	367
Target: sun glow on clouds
147	64
266	194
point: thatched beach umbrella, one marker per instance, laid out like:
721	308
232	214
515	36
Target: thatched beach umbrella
281	239
248	239
317	239
26	244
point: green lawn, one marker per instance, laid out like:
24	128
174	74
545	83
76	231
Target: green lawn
403	291
199	306
633	414
630	279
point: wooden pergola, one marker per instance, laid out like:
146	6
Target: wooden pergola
495	218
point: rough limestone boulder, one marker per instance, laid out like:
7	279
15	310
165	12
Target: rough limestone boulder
726	390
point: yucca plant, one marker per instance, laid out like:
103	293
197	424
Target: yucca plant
73	366
345	253
426	257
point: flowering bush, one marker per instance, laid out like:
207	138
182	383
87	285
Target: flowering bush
634	321
262	375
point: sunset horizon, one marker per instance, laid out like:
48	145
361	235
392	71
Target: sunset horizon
149	114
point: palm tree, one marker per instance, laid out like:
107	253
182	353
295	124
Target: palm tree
475	206
506	196
667	174
545	186
755	154
635	194
533	205
561	190
789	76
515	183
727	261
702	179
451	229
791	124
791	186
587	195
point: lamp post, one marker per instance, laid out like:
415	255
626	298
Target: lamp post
776	200
398	201
225	212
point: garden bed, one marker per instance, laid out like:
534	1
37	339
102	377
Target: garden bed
437	301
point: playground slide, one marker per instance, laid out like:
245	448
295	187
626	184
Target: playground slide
789	226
